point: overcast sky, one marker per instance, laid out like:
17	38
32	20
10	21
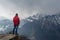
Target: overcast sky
25	8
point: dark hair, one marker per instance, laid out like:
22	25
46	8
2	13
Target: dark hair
16	14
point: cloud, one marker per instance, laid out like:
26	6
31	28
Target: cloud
26	8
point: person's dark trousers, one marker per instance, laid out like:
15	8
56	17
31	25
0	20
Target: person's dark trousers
15	29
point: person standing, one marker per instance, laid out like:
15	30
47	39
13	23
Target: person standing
16	22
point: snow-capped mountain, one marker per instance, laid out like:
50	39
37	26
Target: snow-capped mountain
6	25
42	27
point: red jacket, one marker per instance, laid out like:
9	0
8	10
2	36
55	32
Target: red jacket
16	21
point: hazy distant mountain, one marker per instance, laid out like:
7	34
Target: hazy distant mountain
5	25
42	27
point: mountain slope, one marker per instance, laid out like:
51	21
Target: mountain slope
42	27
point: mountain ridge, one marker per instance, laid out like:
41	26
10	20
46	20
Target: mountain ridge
46	27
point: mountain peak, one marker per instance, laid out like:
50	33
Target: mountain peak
2	18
